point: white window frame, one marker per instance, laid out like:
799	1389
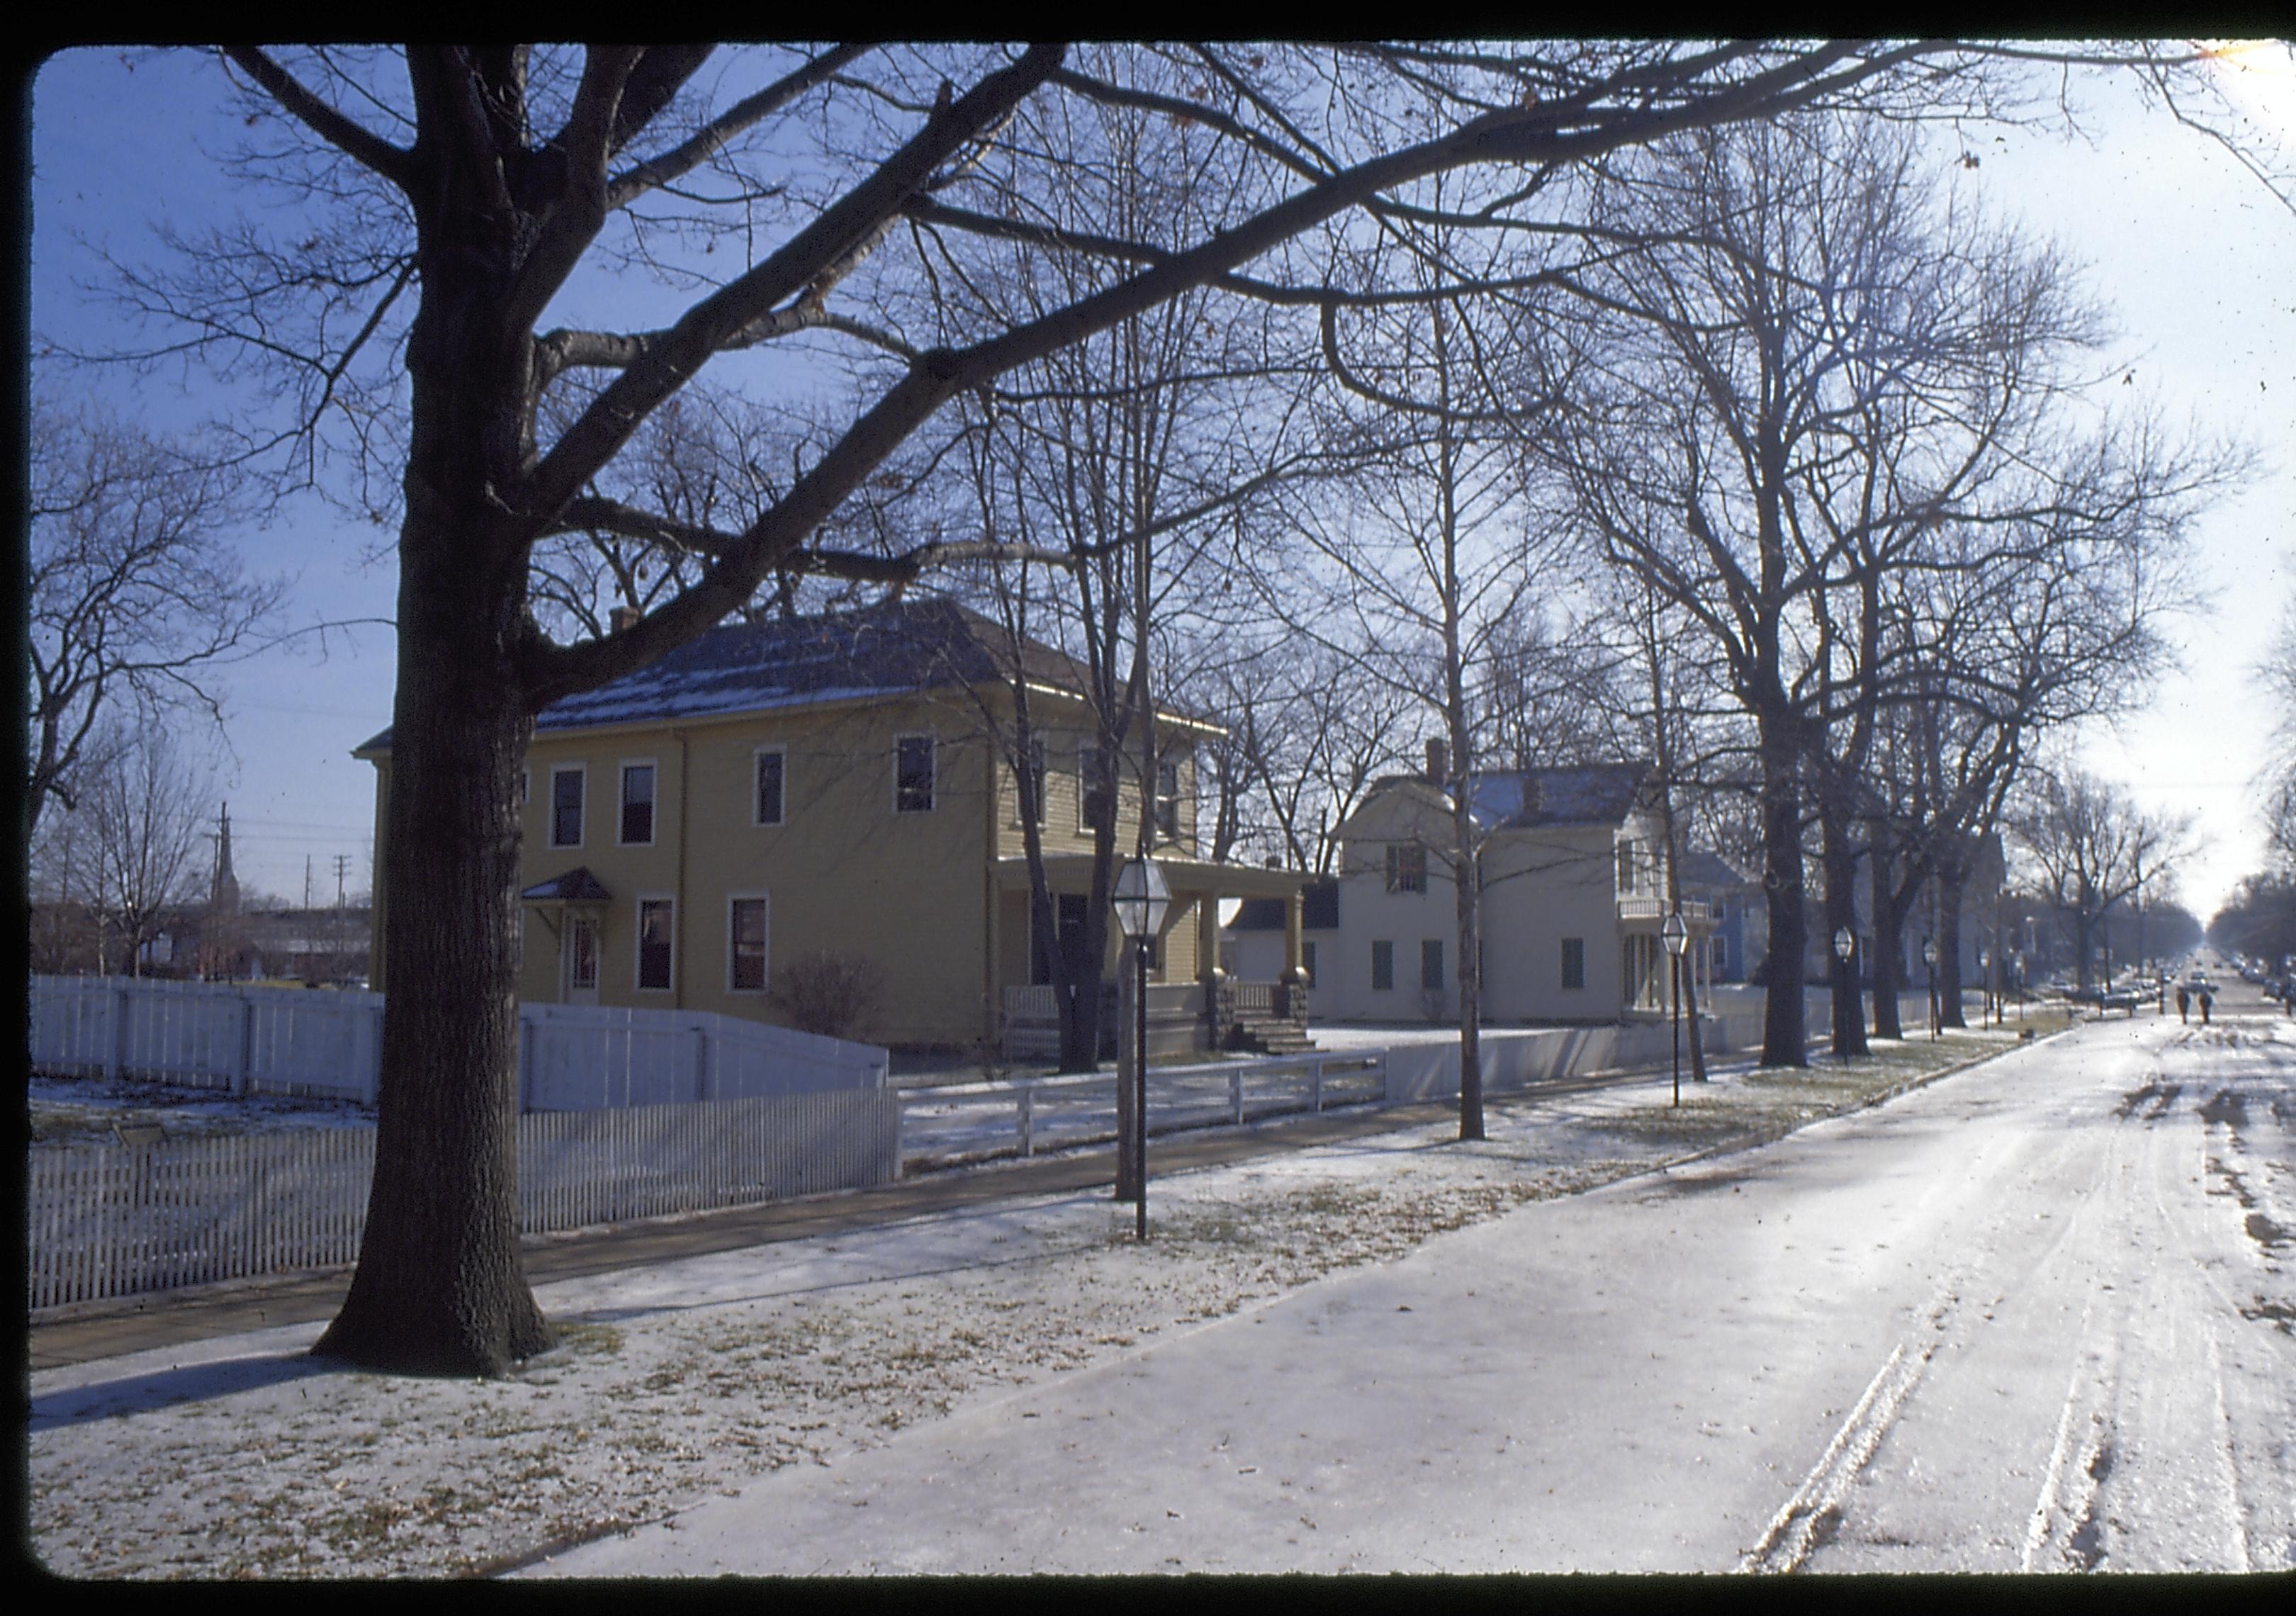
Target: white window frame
654	808
1161	804
1040	760
581	807
766	962
637	942
1088	753
932	739
757	757
1400	879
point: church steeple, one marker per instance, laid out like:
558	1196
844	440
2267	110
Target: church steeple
223	897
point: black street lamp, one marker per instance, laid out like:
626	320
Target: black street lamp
1140	899
1930	959
1845	944
1675	935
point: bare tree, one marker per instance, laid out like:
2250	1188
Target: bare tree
1424	571
1308	732
2278	775
136	597
444	198
137	836
1804	371
2092	849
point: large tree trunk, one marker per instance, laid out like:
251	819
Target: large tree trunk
1839	855
1885	962
440	1286
1950	879
1785	1025
1468	886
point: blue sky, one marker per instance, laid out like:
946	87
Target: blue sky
2193	253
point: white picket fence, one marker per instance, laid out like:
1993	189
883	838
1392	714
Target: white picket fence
322	1042
106	1220
968	1121
1021	1116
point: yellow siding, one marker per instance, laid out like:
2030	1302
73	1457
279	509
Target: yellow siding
844	872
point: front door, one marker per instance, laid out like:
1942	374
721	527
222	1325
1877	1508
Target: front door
1069	909
578	961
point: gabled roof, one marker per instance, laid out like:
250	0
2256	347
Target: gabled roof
1588	793
576	886
894	647
1709	871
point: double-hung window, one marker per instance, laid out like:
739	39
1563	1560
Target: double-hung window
637	804
1168	801
771	782
1406	867
1574	963
1430	964
1382	966
1028	782
566	807
1095	783
655	946
913	774
745	931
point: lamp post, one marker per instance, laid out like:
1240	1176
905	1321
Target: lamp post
1984	986
1845	944
1928	960
1140	899
1675	935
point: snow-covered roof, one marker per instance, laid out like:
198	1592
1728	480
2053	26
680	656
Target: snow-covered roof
892	647
1588	793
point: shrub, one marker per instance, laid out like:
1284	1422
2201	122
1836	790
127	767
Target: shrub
834	996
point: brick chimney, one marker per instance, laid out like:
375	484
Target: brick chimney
621	618
1436	772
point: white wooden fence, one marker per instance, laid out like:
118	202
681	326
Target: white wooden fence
320	1041
1021	1116
106	1220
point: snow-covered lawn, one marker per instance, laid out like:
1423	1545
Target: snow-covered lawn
65	1110
246	1457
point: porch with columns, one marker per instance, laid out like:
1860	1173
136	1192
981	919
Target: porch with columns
1192	1006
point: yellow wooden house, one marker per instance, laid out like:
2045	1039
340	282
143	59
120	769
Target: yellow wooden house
846	784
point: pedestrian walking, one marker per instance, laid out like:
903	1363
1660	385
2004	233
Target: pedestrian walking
2184	1002
2207	999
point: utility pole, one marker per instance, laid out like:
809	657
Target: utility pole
306	883
342	863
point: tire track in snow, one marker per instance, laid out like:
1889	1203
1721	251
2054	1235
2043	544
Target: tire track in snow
1810	1517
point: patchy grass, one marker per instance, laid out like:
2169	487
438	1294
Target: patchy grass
749	1370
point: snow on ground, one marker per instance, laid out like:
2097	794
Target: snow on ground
66	1111
247	1457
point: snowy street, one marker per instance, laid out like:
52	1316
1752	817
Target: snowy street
2036	1316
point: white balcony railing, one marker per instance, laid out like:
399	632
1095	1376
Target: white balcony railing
1638	907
